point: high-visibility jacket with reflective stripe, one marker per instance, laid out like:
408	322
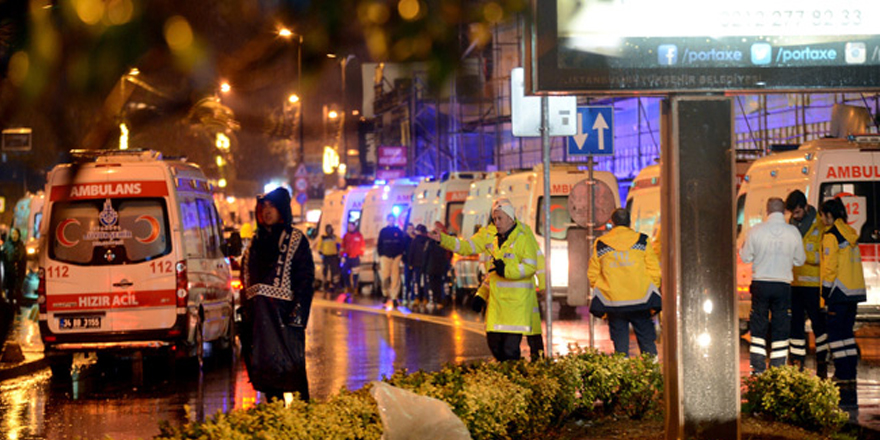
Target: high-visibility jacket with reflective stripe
624	273
512	298
482	242
808	274
842	277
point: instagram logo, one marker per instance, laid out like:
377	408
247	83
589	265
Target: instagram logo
855	53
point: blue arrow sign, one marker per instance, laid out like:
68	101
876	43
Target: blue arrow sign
595	132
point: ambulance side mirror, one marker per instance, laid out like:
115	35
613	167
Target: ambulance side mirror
232	247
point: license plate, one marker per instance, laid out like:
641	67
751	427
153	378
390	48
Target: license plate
79	322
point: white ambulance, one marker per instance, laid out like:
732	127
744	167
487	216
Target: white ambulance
442	200
643	198
394	197
340	207
469	271
133	257
822	169
526	192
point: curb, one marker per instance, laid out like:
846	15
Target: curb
24	368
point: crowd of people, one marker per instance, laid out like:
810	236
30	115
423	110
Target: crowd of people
808	267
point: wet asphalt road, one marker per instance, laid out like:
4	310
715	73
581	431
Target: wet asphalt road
348	345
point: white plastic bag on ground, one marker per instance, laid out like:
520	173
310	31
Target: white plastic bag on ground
409	416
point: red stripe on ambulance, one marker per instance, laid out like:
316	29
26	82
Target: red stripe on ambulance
116	300
84	191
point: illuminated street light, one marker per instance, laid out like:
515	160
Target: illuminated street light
332	114
331	160
220	161
123	136
221	183
225	87
293	99
222	143
288	34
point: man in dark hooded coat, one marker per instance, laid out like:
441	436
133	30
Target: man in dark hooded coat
279	276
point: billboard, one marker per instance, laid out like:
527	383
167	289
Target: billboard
661	46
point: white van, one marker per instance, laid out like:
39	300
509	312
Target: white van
822	169
133	257
394	197
26	218
526	192
442	200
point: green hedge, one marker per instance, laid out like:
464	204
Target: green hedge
517	400
791	396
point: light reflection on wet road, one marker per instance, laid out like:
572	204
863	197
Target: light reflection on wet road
347	346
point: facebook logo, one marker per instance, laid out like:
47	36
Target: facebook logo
762	53
667	54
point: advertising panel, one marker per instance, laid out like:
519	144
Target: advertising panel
595	46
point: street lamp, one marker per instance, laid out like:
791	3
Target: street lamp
287	34
343	62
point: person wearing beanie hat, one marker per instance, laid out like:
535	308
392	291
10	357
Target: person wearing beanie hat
512	303
278	275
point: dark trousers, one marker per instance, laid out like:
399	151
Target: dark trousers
504	346
350	274
330	271
536	346
435	282
770	316
409	282
643	327
805	304
842	339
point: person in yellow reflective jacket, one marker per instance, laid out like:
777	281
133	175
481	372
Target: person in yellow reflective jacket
625	276
478	244
512	300
843	287
806	286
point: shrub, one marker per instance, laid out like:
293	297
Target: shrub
493	406
633	386
799	398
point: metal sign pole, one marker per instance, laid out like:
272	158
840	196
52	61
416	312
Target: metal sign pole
590	237
545	145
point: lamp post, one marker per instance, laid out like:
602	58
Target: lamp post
287	33
343	62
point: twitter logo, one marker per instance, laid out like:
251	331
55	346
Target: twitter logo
761	53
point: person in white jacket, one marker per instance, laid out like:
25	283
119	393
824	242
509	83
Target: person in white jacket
773	247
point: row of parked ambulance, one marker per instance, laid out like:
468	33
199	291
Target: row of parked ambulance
462	202
822	169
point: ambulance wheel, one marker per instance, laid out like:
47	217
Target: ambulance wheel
227	341
199	354
60	364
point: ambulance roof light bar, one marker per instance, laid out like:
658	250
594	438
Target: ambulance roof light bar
107	155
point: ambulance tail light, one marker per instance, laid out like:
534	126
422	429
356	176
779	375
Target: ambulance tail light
41	291
182	284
